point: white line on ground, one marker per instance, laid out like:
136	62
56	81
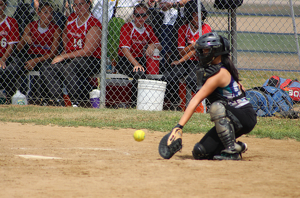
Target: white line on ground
38	157
80	148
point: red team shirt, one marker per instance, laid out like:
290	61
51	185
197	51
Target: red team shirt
77	34
9	33
41	41
186	36
136	39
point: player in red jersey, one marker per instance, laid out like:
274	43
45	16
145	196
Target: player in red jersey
81	56
9	34
188	34
137	40
42	37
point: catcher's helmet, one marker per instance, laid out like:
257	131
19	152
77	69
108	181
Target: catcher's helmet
190	7
216	44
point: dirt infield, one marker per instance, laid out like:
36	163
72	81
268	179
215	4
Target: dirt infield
255	24
51	161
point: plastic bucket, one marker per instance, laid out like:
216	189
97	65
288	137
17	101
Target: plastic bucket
151	95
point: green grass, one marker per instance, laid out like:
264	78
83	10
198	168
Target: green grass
271	9
164	121
254	78
266	42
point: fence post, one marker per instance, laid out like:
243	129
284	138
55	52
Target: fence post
103	53
295	29
233	34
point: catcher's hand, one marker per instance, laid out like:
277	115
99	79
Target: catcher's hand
171	143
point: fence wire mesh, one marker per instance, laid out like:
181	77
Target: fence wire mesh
51	49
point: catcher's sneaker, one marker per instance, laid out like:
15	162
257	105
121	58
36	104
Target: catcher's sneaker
243	147
227	156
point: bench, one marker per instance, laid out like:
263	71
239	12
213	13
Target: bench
110	76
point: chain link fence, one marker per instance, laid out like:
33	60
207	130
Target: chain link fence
59	63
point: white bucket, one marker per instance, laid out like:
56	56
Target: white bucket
151	95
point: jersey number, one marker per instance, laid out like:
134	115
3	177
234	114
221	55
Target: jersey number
3	42
78	43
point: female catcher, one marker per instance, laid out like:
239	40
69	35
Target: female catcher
231	112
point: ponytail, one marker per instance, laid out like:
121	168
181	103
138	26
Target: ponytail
227	62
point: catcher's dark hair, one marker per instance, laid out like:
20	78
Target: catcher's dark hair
227	62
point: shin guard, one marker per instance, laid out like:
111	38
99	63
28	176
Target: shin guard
224	128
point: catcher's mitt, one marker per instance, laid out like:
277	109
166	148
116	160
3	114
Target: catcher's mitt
170	143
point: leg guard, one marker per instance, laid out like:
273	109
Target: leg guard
199	152
224	128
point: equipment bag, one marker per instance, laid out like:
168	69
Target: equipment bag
227	4
292	87
267	100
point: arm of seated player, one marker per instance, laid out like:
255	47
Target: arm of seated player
186	50
184	58
136	65
26	38
7	53
94	35
30	64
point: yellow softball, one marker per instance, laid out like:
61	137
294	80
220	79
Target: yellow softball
139	135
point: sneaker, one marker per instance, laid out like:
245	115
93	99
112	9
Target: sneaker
75	104
243	146
227	156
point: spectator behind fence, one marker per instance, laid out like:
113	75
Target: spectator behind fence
41	39
137	40
168	22
9	36
9	30
188	34
81	56
97	9
124	8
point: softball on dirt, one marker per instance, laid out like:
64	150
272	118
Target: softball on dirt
139	135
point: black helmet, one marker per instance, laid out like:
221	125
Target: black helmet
216	44
190	7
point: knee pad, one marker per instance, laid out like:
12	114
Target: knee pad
217	110
199	152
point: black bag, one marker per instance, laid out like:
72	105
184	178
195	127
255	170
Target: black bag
227	4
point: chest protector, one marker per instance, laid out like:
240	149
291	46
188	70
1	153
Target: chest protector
204	73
